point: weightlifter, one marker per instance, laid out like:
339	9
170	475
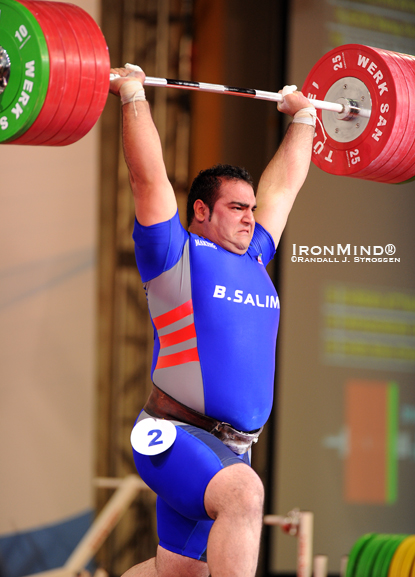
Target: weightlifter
215	313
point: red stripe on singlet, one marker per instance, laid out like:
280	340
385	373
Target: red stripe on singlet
179	336
181	358
174	315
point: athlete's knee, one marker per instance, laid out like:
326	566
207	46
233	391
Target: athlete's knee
236	490
249	491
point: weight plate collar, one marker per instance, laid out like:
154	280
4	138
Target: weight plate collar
4	69
345	89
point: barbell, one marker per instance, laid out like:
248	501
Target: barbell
54	82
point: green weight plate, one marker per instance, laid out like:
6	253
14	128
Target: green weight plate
356	552
369	555
22	38
383	561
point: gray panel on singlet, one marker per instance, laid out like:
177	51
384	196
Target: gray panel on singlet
184	383
164	293
181	324
184	346
172	288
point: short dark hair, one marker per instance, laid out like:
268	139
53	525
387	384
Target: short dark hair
207	183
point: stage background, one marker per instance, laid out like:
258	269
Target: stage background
48	224
344	434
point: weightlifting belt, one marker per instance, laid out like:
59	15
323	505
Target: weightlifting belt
163	406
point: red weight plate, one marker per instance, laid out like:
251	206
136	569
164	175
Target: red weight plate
56	77
393	151
398	119
405	170
87	75
83	23
72	75
388	158
366	65
72	80
102	65
72	66
404	156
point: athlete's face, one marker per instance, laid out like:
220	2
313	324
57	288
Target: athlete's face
231	224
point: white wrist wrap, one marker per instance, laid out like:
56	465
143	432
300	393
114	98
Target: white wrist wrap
132	91
306	116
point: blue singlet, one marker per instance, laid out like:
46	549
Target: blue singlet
215	316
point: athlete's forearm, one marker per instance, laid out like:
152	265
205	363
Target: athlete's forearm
288	169
283	178
142	147
153	194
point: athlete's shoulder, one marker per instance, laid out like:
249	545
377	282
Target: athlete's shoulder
262	245
158	247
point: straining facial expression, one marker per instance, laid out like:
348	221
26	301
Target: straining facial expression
231	223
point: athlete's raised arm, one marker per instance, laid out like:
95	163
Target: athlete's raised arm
286	172
153	194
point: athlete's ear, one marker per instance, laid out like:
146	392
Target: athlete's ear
201	210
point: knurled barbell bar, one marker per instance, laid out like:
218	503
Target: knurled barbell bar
54	80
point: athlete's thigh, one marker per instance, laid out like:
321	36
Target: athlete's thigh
181	535
181	474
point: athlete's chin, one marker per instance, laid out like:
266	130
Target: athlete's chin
240	247
237	244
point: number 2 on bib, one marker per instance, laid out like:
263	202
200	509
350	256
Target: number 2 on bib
153	436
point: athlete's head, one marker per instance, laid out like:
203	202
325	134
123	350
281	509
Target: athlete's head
220	207
206	185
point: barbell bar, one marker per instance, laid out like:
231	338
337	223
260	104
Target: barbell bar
54	82
346	110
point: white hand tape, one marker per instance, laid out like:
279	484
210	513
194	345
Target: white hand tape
289	89
133	67
132	91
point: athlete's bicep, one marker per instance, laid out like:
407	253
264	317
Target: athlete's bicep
154	203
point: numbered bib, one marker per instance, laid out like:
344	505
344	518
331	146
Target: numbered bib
153	436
